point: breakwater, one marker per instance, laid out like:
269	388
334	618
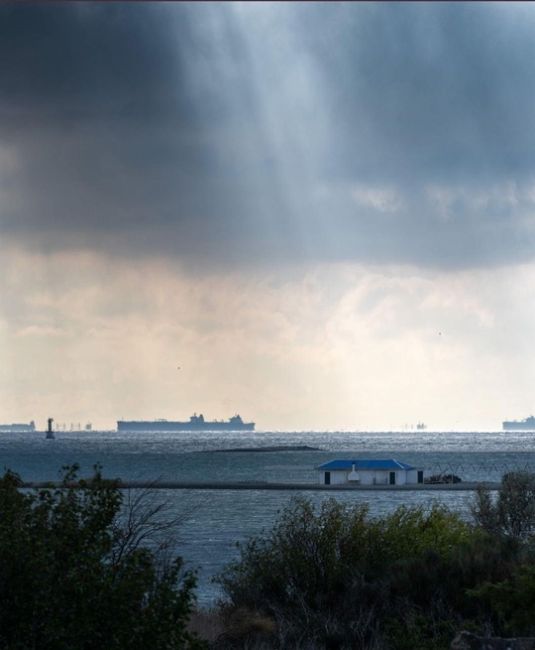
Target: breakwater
265	485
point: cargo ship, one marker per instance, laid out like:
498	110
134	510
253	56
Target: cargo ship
519	425
16	428
195	423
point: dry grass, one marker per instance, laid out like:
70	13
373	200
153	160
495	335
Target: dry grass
207	624
241	628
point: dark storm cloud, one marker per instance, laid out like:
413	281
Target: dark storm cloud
80	60
439	89
238	134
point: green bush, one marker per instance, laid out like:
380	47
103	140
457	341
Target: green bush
512	514
332	577
512	601
336	578
74	575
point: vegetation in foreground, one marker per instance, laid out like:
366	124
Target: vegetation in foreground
80	570
77	573
335	578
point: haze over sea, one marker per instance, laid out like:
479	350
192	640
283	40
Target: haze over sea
214	520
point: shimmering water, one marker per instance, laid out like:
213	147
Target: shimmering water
214	520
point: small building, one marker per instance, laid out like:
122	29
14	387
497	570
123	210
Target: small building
369	472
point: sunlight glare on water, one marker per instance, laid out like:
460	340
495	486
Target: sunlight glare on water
214	520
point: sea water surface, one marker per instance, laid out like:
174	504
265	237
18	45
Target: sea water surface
214	521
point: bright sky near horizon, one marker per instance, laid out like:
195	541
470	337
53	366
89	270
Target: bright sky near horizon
323	213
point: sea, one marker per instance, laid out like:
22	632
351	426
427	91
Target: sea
213	523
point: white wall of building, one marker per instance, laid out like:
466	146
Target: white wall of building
412	476
382	477
371	477
338	477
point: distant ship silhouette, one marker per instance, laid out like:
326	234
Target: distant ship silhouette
195	423
528	424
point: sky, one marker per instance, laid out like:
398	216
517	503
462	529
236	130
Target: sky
317	215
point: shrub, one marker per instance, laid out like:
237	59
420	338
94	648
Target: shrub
512	601
334	578
513	513
75	576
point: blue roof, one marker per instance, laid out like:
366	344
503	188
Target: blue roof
385	464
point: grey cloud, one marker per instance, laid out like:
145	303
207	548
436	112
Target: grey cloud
228	134
443	90
86	61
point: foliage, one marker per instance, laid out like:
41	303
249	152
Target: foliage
513	513
75	573
333	577
510	521
337	578
513	600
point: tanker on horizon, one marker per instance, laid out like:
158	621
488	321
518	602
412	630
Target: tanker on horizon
195	423
15	428
528	424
